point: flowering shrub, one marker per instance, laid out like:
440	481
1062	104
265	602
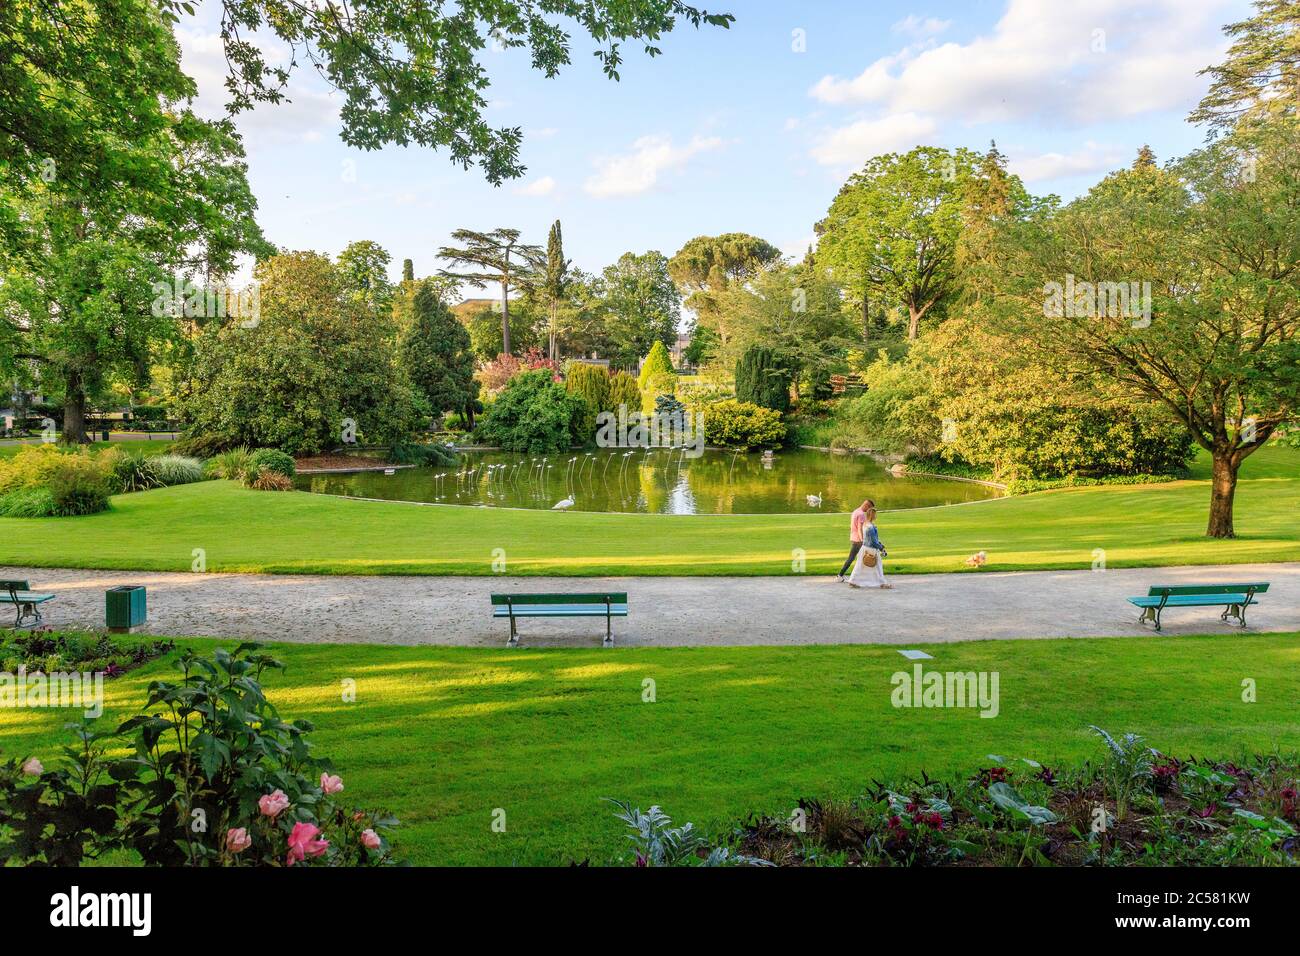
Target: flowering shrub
496	374
217	778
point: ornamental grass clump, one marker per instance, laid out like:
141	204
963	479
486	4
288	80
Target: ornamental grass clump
175	469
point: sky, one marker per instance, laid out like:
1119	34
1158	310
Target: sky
752	129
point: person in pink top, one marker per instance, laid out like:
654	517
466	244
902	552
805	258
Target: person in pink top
856	523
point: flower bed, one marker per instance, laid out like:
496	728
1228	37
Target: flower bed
1136	806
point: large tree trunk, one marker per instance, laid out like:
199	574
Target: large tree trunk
913	322
1222	490
74	412
505	318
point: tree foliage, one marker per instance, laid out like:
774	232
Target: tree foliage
641	306
533	414
707	266
761	379
433	350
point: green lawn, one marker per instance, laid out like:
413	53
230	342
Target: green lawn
443	737
243	530
145	446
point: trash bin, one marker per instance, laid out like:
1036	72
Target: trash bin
104	434
124	608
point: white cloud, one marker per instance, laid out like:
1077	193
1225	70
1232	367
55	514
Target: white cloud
854	144
1081	61
1091	158
639	169
537	187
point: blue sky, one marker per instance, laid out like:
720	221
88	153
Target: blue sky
750	129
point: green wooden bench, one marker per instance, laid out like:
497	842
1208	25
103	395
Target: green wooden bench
1234	598
606	604
27	605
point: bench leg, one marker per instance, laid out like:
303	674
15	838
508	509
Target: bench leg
514	634
609	637
1150	615
1234	610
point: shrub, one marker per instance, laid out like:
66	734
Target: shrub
78	487
590	383
496	374
742	425
209	742
270	459
663	385
175	469
32	467
205	444
533	413
658	362
762	380
623	390
268	480
27	503
127	473
232	464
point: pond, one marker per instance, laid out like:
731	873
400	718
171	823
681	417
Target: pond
655	481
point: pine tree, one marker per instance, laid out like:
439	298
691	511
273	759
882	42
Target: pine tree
591	384
496	256
408	270
434	351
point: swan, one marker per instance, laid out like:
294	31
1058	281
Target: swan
563	505
815	501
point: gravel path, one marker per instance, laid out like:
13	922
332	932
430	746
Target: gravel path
665	611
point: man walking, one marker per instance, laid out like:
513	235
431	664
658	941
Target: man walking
856	521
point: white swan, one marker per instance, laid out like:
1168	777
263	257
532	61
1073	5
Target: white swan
563	505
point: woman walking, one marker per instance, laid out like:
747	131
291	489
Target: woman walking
869	571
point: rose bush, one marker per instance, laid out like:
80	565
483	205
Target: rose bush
217	778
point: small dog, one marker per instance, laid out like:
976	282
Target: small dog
977	560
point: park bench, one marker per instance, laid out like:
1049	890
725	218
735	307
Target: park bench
26	603
1234	598
606	604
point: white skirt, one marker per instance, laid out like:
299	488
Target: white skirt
868	577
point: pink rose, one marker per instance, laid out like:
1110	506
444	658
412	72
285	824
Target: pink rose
273	804
331	784
238	840
303	843
33	767
370	839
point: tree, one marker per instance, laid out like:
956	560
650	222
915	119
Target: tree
707	266
641	305
433	351
657	362
94	285
624	393
408	270
1259	82
762	380
483	322
554	284
495	256
305	371
892	231
407	73
796	312
1212	337
364	267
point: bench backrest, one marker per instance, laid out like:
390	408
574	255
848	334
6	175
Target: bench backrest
611	597
12	587
1188	590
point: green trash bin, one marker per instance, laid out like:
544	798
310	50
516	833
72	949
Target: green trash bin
124	608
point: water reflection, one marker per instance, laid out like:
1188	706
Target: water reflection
655	481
